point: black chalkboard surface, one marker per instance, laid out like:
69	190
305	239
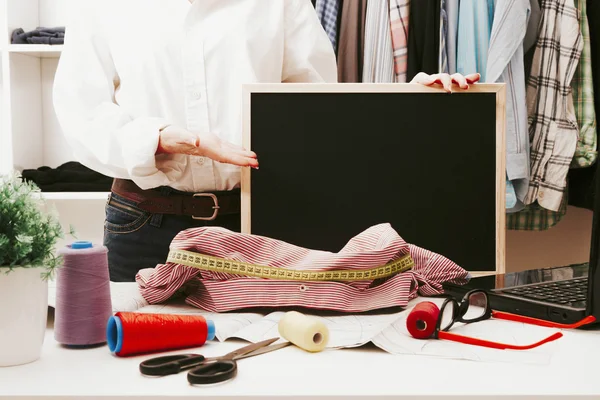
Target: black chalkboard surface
336	159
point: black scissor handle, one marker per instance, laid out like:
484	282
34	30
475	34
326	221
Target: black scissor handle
212	372
168	365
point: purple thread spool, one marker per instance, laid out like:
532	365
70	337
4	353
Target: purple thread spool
83	303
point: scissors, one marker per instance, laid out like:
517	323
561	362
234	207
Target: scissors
207	370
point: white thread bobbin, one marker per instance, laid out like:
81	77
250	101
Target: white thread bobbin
305	332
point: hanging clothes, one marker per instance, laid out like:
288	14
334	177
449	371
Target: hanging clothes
351	44
218	291
547	107
533	217
553	127
583	98
531	34
399	20
327	11
423	38
536	218
582	181
379	61
511	195
451	7
475	20
443	60
505	65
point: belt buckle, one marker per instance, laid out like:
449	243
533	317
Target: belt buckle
215	207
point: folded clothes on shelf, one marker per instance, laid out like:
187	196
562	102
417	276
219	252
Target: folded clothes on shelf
40	35
69	177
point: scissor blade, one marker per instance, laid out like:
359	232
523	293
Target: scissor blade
263	350
248	349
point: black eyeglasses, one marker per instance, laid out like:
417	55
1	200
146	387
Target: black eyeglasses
475	307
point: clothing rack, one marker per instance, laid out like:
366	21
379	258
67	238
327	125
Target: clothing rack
391	40
397	42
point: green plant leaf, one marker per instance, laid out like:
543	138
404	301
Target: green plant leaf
28	236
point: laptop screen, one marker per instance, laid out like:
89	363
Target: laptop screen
593	304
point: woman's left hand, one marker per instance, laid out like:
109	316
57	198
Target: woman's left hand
446	80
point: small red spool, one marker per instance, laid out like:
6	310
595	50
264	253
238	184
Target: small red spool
131	333
422	320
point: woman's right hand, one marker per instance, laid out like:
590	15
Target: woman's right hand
446	80
176	140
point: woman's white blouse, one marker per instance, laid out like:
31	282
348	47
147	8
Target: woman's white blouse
131	67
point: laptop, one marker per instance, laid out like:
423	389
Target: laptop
563	294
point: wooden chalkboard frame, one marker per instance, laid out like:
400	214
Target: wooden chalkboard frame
497	88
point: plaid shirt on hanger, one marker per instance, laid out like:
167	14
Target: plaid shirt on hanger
552	124
583	99
399	12
327	10
535	218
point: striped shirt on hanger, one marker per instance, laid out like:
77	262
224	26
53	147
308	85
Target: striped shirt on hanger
444	67
378	57
221	292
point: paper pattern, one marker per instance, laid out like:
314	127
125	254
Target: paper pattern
386	331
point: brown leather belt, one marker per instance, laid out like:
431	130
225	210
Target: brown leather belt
202	206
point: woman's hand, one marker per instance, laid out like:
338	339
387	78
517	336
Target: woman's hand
176	140
446	80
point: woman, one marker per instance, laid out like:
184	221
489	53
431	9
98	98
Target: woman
149	92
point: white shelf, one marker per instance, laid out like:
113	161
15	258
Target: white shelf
37	50
73	195
30	135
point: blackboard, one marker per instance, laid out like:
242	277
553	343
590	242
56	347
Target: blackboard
336	159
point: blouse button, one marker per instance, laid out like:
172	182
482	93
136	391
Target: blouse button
303	288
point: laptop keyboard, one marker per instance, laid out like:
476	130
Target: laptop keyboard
561	292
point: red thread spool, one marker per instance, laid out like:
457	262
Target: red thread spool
131	333
422	320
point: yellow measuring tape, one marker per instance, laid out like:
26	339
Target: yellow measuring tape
216	264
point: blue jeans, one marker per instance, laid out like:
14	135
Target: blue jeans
137	239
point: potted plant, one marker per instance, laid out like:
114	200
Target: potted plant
28	236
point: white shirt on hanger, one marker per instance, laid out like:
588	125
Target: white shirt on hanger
131	67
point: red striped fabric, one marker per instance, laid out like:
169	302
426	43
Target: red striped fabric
220	292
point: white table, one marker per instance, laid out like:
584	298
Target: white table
364	373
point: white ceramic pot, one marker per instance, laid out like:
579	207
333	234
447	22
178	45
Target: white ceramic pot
23	315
